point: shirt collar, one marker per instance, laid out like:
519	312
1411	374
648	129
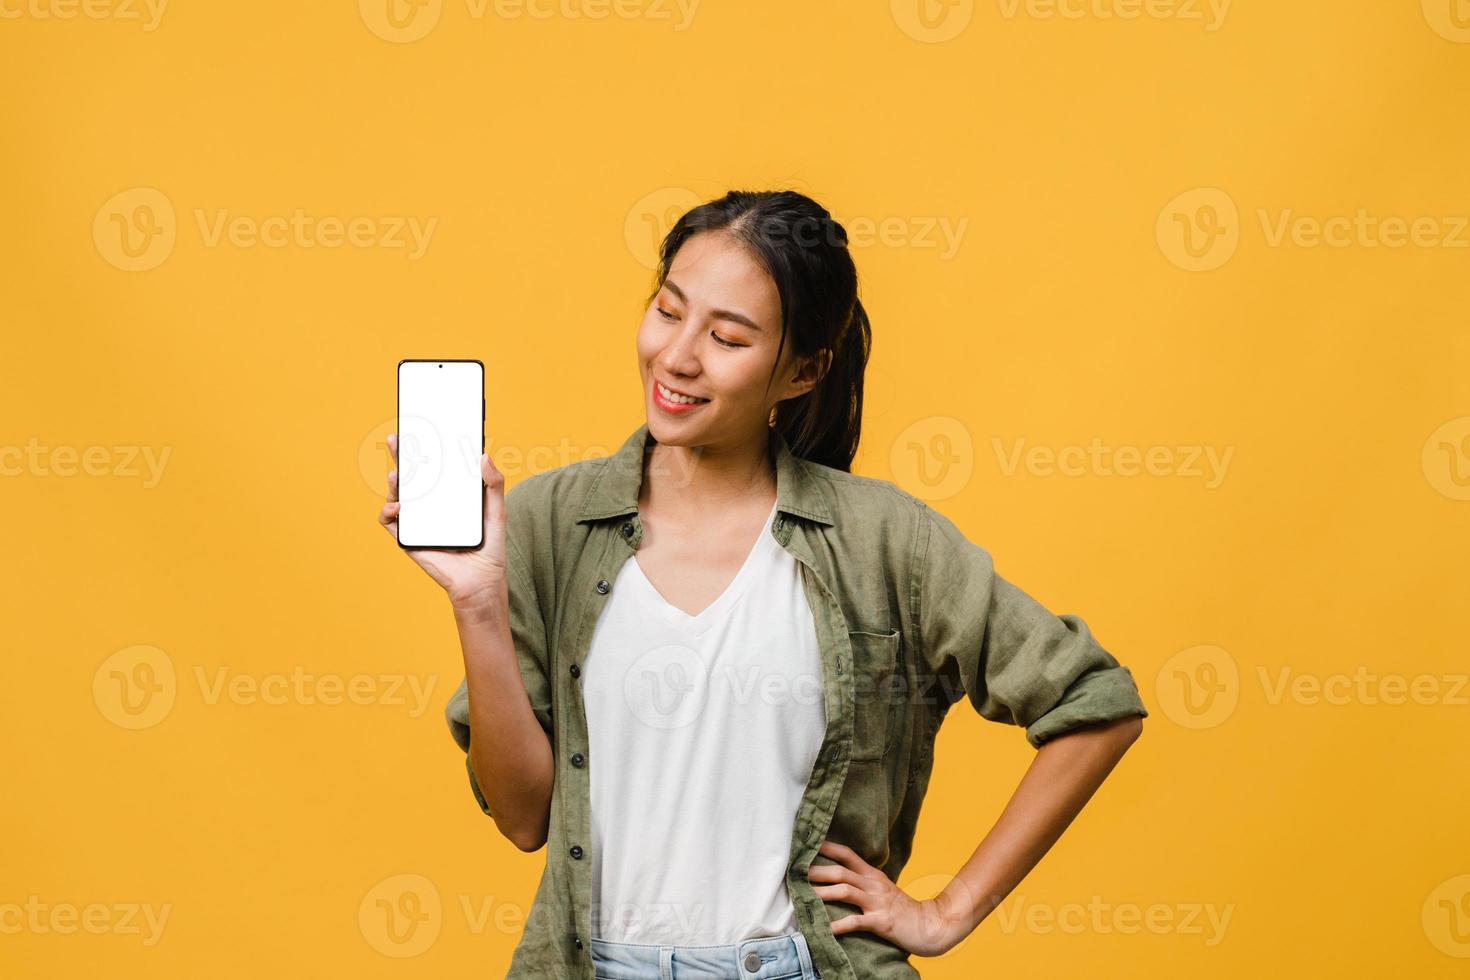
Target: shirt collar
615	492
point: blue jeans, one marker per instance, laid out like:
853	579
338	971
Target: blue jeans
767	958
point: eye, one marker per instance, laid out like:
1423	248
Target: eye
666	314
723	342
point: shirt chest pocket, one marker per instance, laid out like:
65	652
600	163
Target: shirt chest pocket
874	659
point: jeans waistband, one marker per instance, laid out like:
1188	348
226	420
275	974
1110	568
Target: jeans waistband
766	958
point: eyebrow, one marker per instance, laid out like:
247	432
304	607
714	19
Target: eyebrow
730	315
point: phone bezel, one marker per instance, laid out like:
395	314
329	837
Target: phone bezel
398	414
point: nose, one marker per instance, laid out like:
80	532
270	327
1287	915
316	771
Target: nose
680	355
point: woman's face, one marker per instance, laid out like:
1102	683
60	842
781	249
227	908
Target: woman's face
712	333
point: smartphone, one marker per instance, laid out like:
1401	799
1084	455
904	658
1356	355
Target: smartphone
441	436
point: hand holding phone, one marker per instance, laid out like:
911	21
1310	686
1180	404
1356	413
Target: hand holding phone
446	499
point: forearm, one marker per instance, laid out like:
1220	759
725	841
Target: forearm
509	752
1061	779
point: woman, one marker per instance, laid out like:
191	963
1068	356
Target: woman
725	741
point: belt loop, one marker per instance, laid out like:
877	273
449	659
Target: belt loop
666	963
804	955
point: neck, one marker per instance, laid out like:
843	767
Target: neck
695	481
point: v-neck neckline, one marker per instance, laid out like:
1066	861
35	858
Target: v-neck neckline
701	621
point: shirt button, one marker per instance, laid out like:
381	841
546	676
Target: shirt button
602	586
575	670
577	941
577	851
627	530
578	759
753	961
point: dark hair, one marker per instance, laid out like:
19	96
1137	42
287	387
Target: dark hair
804	249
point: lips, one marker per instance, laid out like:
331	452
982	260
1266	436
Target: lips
677	396
671	400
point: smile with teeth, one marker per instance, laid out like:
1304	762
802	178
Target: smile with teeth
670	395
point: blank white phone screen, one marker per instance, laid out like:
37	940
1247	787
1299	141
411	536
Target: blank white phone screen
440	439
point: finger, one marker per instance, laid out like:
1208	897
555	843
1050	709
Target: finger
832	873
388	517
490	473
843	853
494	492
393	446
850	894
392	485
850	923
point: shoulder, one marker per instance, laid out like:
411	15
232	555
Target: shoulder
877	513
871	515
873	498
851	493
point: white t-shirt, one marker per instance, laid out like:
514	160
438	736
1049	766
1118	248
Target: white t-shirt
702	732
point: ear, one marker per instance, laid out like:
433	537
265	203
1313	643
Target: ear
809	372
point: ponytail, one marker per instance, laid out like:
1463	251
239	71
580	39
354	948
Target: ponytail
824	425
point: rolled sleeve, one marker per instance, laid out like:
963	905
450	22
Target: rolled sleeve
1017	662
528	631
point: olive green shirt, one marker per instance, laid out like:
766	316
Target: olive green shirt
910	616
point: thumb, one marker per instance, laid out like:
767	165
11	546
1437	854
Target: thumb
494	492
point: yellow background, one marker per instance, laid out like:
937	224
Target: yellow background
547	150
